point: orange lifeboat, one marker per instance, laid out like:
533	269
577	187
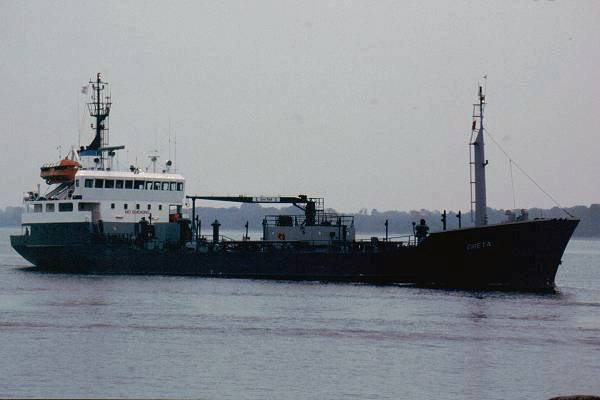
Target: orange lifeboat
64	171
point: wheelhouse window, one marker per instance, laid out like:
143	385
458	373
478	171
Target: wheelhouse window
65	207
137	206
165	186
88	183
125	206
109	184
128	184
179	186
50	207
173	186
99	183
149	206
37	208
160	207
85	206
119	184
138	185
156	185
149	185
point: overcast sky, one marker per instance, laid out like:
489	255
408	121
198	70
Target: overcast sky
365	103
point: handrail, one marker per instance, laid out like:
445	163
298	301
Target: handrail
230	243
321	218
409	239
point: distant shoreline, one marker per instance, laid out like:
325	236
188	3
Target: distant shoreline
366	222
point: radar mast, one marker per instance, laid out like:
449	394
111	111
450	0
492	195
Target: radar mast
478	163
99	109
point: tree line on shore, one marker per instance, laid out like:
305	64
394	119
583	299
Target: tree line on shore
399	222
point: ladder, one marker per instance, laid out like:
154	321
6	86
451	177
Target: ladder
472	181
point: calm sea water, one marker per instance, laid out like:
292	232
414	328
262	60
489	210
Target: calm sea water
91	336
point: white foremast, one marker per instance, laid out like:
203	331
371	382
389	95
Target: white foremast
478	163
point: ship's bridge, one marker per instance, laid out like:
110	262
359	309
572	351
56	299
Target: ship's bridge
128	186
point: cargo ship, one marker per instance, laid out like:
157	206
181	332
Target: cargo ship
94	219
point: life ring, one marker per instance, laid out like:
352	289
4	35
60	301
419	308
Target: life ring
281	236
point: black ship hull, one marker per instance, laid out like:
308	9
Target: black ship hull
512	256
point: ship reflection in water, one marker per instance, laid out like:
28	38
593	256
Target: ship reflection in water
156	336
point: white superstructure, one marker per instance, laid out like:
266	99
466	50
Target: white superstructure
83	188
113	197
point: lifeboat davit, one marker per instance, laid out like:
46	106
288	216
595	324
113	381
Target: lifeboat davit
62	172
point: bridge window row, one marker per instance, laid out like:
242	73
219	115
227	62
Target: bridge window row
67	207
62	207
133	184
137	206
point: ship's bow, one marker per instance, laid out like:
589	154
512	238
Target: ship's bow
513	256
